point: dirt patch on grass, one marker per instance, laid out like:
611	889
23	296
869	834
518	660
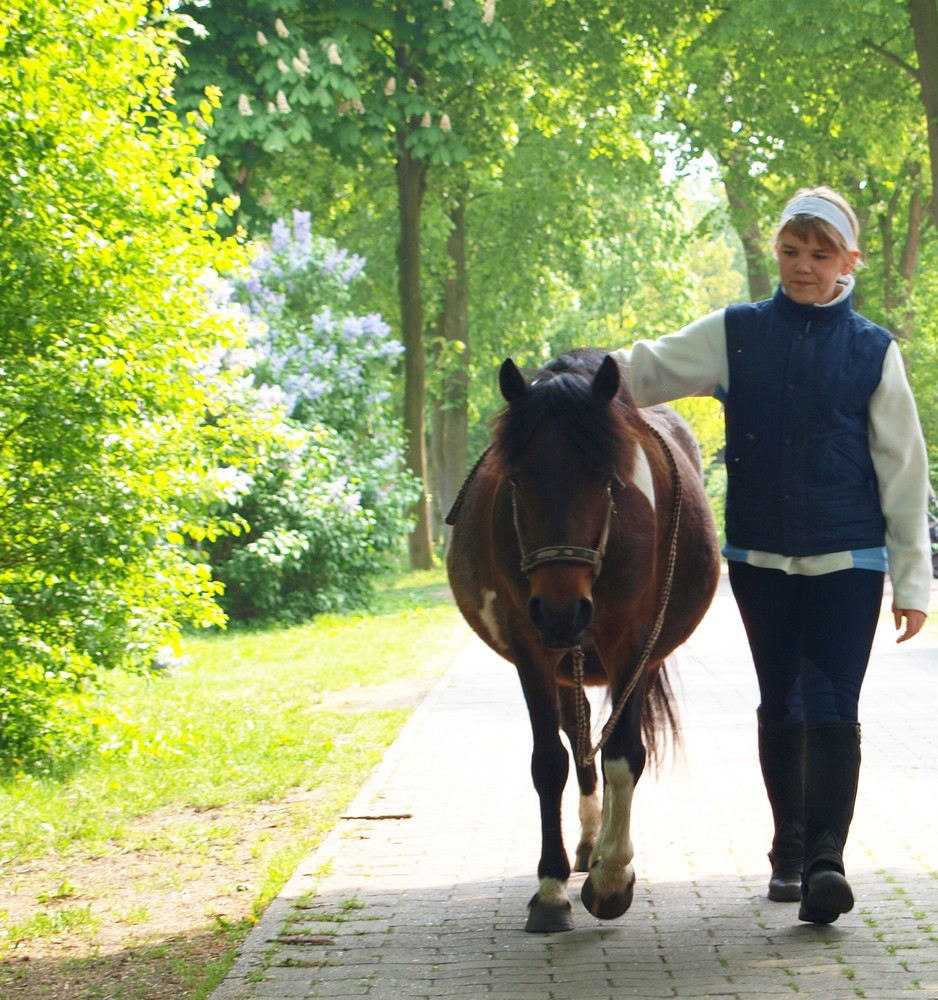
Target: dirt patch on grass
144	917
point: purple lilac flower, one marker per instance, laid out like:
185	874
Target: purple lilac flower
352	328
305	387
354	269
374	325
351	502
387	461
279	236
323	322
334	260
302	226
392	348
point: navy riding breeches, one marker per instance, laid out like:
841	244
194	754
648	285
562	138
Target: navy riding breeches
810	638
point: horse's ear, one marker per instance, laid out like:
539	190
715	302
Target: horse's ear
608	379
511	381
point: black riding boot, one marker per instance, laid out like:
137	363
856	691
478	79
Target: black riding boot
832	769
781	754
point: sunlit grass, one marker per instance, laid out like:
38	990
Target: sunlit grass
61	920
246	718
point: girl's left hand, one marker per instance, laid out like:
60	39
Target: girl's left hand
914	620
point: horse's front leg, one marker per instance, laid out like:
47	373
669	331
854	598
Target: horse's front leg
607	891
590	805
550	908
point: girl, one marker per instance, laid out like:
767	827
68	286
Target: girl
827	488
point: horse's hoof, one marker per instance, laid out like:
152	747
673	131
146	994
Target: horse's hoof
583	854
547	918
607	907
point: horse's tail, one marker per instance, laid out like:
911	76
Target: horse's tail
661	728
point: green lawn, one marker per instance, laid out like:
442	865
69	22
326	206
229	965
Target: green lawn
283	722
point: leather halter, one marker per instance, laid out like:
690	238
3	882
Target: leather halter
593	558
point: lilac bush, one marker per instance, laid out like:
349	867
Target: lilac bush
327	511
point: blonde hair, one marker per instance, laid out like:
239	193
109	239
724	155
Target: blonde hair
803	226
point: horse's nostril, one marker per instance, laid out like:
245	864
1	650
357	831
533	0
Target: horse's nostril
585	614
536	612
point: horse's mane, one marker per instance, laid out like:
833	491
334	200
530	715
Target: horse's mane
562	392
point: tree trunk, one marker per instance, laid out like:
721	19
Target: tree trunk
451	412
899	269
746	223
923	15
411	179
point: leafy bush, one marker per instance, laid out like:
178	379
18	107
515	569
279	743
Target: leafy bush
329	506
107	461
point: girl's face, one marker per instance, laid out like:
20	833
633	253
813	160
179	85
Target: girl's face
809	270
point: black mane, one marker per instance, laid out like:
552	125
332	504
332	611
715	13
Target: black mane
562	392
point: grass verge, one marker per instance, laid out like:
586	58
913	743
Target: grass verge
137	878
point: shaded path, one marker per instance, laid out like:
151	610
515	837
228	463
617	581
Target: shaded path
421	891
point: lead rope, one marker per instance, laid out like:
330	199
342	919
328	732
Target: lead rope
584	754
461	495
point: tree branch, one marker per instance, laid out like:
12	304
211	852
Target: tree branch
908	68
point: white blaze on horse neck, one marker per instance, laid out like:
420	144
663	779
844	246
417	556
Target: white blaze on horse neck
489	619
641	476
609	869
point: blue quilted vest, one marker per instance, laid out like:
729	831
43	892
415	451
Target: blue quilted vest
800	477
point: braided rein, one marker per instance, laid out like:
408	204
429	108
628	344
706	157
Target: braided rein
585	754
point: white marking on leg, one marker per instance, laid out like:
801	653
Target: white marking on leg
590	820
490	619
552	892
641	476
610	869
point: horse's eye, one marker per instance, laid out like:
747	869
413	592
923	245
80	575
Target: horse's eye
515	482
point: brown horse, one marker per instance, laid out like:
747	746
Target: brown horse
584	551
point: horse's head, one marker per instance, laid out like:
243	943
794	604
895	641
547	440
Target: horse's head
562	442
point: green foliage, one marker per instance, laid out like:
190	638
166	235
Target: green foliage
331	502
314	545
355	76
106	456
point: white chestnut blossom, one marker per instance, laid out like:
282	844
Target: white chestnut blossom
261	38
445	123
244	105
283	105
390	86
426	121
281	29
333	55
488	12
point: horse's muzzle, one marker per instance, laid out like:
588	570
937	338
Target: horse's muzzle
561	628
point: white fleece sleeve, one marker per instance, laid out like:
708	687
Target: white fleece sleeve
901	463
691	362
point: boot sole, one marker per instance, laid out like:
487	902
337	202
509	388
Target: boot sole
828	895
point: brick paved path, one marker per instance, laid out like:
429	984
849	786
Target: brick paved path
421	891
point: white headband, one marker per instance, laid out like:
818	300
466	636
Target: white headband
821	208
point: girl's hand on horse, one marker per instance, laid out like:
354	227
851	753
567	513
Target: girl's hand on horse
914	620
